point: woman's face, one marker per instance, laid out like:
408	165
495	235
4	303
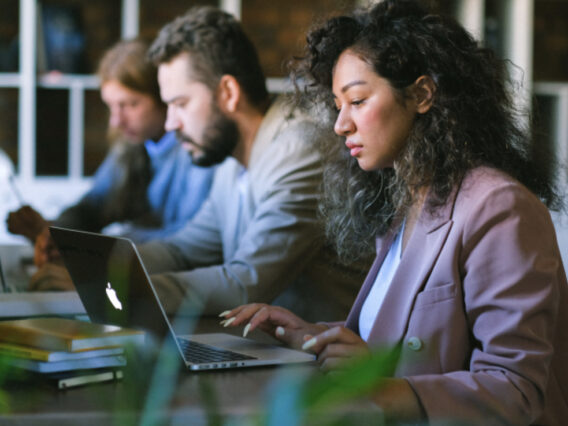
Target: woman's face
373	120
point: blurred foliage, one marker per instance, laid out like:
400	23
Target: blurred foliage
294	398
317	400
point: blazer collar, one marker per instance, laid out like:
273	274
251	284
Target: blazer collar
430	232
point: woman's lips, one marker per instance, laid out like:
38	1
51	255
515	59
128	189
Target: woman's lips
354	148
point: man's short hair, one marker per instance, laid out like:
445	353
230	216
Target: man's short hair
217	45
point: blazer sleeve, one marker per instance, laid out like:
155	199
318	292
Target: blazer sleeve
511	273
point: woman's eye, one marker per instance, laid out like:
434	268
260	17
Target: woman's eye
357	102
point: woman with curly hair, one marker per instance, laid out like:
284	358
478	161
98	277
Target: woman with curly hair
435	173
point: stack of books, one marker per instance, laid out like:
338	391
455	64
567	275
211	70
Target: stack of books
67	352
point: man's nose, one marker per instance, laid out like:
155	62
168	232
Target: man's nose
172	121
116	119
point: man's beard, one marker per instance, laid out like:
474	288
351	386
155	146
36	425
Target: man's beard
115	135
220	138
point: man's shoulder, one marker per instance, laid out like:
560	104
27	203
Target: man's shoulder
290	128
295	116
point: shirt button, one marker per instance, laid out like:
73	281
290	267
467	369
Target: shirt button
414	343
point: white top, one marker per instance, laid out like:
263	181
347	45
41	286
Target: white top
374	300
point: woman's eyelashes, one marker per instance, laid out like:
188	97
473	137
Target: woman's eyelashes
355	103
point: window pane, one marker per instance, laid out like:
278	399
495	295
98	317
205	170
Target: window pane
550	41
51	132
9	20
76	33
544	111
96	142
9	123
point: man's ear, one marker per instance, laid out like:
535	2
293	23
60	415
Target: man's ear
228	93
424	90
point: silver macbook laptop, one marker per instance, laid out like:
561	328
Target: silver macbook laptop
115	288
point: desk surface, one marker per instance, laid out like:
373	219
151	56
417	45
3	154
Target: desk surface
238	394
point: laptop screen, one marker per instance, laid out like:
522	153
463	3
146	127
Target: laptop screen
111	280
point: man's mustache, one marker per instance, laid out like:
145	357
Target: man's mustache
183	138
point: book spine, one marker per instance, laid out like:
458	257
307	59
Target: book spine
38	355
51	367
28	337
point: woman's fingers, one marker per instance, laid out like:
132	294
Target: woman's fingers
274	320
241	314
334	346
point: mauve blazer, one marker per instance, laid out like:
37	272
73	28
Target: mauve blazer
479	304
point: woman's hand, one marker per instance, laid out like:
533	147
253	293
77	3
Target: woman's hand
274	320
51	277
336	345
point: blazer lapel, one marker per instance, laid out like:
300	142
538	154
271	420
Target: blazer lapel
418	259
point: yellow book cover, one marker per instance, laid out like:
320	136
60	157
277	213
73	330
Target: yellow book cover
61	334
10	350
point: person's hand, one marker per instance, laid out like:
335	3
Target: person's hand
45	250
26	221
274	320
51	277
336	345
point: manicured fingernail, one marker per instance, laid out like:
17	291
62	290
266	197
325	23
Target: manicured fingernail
227	322
246	330
280	331
224	313
309	343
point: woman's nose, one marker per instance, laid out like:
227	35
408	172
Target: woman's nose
343	124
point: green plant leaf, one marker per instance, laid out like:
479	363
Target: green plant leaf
359	377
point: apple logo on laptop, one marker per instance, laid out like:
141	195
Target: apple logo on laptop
111	294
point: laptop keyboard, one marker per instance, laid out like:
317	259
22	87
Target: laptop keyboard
198	353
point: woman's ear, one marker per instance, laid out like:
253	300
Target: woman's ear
228	93
423	90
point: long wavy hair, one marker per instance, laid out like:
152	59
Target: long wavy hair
126	63
472	121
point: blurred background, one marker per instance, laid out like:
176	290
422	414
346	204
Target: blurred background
53	122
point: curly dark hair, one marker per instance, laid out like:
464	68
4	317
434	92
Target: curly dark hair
218	45
471	122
